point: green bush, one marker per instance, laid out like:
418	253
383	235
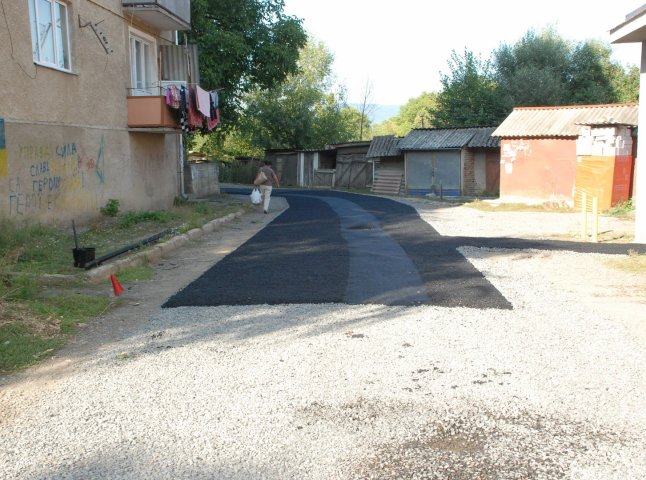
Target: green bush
111	208
622	209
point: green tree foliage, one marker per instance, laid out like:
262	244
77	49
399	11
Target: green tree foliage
417	113
387	127
305	111
533	72
625	83
468	97
541	69
244	45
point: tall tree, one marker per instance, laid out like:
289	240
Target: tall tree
468	97
541	69
544	69
534	71
244	45
416	113
307	110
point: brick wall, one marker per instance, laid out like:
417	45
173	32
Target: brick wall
469	173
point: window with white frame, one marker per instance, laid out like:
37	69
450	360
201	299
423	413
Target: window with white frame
143	67
50	36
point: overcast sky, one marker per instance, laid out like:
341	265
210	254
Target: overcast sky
399	47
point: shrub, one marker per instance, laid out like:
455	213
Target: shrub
111	208
622	208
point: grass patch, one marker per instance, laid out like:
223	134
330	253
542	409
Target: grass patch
34	321
68	310
135	274
41	249
632	263
20	348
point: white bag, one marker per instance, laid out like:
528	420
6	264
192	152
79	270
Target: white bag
256	197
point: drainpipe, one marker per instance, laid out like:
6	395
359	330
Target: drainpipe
181	162
181	155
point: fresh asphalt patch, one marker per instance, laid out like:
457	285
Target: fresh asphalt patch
336	247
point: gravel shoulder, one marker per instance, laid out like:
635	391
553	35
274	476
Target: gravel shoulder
551	389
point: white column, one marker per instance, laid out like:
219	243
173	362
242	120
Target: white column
640	162
301	168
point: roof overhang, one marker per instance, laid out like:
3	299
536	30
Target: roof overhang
633	30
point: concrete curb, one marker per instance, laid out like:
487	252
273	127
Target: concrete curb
154	253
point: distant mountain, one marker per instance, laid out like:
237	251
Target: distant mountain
379	113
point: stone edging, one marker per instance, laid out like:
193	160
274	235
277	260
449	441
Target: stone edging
154	253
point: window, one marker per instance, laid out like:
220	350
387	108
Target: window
142	65
50	38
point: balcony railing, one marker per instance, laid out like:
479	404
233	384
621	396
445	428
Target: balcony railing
161	14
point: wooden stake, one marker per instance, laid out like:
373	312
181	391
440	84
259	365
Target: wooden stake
595	219
584	216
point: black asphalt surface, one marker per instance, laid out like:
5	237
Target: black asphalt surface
337	247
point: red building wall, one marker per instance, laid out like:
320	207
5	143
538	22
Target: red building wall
537	170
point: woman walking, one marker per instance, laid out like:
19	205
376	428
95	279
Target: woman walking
267	185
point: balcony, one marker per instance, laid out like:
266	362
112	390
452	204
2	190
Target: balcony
161	14
151	114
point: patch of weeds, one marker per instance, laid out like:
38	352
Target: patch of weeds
134	274
20	348
34	322
111	208
179	201
19	287
632	263
202	208
30	247
132	218
623	209
69	310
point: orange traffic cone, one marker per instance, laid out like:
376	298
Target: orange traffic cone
118	289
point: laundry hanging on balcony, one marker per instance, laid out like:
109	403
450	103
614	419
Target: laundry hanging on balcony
198	109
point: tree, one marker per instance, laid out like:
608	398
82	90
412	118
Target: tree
307	110
468	97
366	109
541	69
544	69
626	83
416	113
244	45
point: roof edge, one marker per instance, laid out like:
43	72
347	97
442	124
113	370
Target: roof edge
557	107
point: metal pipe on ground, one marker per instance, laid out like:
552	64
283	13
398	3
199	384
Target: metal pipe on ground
121	251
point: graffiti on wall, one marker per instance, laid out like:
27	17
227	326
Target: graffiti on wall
55	177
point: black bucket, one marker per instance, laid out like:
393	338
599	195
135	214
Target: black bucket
83	256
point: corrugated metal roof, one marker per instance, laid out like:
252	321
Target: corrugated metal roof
384	146
449	138
565	121
484	138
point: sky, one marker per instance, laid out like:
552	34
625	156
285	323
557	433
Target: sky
397	49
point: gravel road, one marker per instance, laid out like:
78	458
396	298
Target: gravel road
553	388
